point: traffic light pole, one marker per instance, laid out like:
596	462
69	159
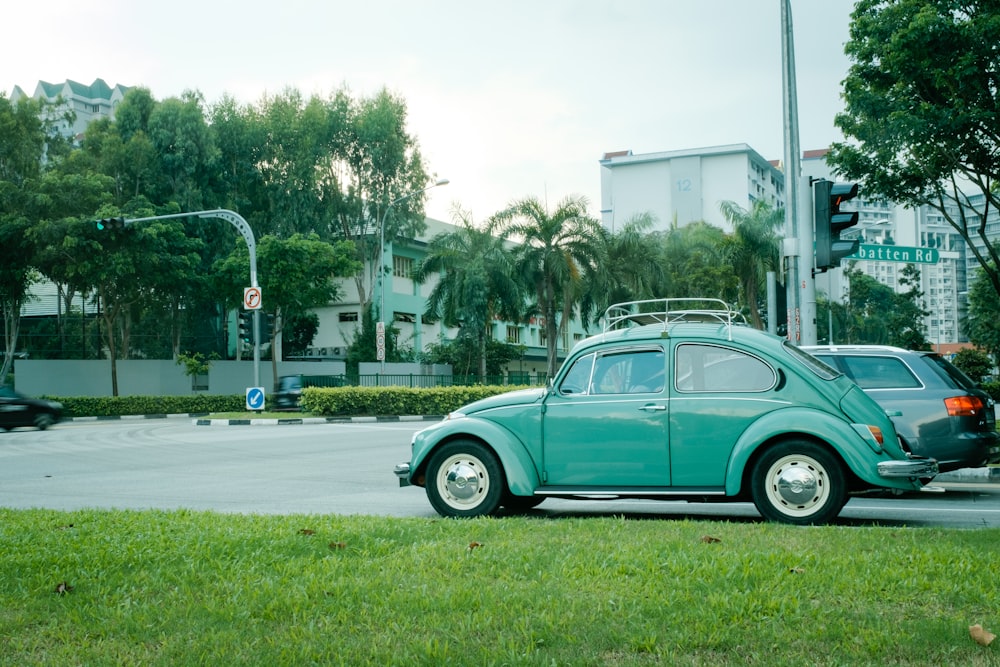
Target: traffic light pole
241	225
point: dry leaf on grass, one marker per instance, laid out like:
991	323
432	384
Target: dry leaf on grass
708	539
307	531
796	570
62	588
981	636
338	545
474	545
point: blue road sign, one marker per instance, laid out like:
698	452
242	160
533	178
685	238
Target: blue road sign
255	398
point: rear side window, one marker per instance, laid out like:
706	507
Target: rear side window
720	369
949	372
872	372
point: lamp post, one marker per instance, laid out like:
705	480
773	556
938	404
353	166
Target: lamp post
381	261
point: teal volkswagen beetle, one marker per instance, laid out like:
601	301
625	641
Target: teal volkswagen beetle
672	401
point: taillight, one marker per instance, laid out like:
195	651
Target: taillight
877	434
963	406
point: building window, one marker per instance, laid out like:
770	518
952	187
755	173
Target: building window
402	267
410	318
513	334
348	316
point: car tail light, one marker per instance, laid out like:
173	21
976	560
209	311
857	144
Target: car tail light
963	406
877	434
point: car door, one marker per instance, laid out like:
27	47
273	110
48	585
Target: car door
606	424
717	392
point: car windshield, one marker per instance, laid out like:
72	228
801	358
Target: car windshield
812	363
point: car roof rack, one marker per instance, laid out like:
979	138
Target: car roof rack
671	311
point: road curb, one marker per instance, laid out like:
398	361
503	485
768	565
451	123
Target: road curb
185	415
318	420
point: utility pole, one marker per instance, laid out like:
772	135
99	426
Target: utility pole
800	289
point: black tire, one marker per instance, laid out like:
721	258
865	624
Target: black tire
43	420
798	482
464	479
521	503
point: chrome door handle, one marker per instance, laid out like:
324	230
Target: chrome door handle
653	408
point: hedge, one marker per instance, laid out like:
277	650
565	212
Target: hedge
340	401
113	406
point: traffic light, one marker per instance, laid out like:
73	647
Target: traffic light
266	328
830	221
246	326
110	224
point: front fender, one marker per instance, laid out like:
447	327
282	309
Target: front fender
518	466
853	442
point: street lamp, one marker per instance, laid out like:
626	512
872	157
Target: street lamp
381	260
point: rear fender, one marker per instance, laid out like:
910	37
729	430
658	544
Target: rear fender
852	442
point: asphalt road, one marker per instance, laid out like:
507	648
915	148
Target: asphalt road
331	468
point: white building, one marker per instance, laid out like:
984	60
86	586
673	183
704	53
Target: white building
687	185
98	100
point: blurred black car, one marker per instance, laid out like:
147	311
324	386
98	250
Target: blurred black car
289	393
16	410
939	412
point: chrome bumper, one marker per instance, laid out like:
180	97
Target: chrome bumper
914	468
402	471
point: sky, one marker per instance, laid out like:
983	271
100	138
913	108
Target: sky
507	99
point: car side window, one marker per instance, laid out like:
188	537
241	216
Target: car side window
629	372
871	372
720	369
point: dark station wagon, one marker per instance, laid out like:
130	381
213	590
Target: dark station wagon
674	400
939	412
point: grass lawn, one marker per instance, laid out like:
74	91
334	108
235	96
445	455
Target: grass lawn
199	588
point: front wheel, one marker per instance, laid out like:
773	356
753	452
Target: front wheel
800	483
464	479
43	420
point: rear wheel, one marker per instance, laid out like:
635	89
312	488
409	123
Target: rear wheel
798	482
43	420
464	479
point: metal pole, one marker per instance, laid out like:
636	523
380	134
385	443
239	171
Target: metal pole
243	227
792	247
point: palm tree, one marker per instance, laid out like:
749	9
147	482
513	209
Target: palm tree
692	259
632	268
753	249
556	252
477	281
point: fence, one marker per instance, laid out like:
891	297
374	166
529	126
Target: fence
421	380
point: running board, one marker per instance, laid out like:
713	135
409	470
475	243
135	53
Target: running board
597	492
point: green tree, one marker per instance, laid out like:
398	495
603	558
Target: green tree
632	269
295	275
974	363
476	282
557	252
694	263
921	112
753	249
867	305
906	320
980	323
463	355
22	141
